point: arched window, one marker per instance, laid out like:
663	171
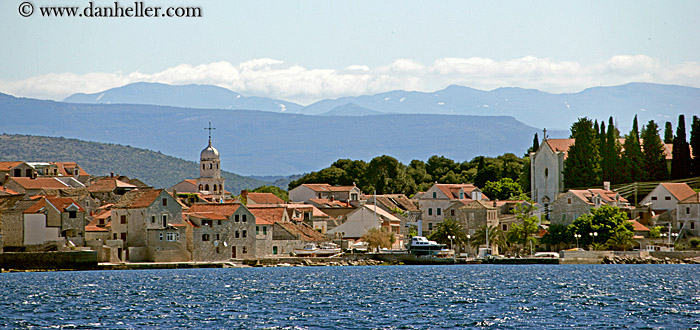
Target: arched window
214	187
200	187
546	172
204	167
221	188
206	187
217	166
210	166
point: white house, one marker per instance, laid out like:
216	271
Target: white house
308	191
364	218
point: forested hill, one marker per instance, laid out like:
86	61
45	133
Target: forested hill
153	168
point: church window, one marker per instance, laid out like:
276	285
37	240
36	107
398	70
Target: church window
221	189
546	172
214	187
206	187
204	167
201	187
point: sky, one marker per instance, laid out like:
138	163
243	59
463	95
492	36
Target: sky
304	51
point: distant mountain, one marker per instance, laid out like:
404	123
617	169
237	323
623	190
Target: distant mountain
267	143
535	108
350	109
185	96
99	159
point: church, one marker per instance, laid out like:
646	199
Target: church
210	186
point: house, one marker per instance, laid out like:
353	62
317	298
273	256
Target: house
574	203
12	209
252	198
15	169
547	168
147	225
71	169
307	191
209	236
44	186
54	219
400	206
109	189
688	214
358	222
666	196
242	225
312	216
474	214
439	197
287	236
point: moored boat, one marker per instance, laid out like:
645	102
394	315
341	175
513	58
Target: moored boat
420	245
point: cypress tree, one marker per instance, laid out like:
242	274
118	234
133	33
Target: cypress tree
635	126
596	128
655	168
668	133
535	143
680	165
603	150
632	160
582	165
612	154
695	145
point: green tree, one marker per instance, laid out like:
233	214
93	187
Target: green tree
388	176
481	175
502	189
522	232
654	165
556	235
681	162
632	159
695	145
524	178
378	238
354	171
439	166
445	229
582	166
605	220
496	237
277	191
535	144
668	133
610	159
621	240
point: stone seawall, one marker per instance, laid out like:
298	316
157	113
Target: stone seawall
69	260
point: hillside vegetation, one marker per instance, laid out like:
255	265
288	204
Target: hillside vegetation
153	168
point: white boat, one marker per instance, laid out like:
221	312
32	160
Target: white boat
420	245
313	250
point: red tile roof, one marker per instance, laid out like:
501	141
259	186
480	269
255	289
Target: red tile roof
680	191
264	198
6	166
692	199
4	191
206	215
108	185
563	145
93	226
40	183
267	215
327	187
638	226
303	231
324	202
452	190
137	199
65	167
226	209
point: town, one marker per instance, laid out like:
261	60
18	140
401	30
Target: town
58	206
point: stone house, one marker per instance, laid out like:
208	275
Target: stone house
312	216
367	217
72	169
252	198
54	219
688	214
140	219
266	216
241	239
575	203
209	236
400	206
287	236
15	169
109	189
308	191
12	209
45	186
440	197
474	214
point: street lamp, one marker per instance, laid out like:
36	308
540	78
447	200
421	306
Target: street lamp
451	237
593	236
468	244
577	236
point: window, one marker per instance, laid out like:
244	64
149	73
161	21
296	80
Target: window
264	230
72	214
206	223
221	189
238	234
160	236
205	237
165	220
546	172
563	218
452	213
218	222
102	221
439	211
653	198
203	167
114	236
353	197
122	219
206	187
201	187
430	211
692	225
568	200
217	237
236	218
171	237
245	249
165	202
430	226
668	198
257	230
244	218
687	210
123	236
214	187
153	219
505	227
434	194
210	166
274	250
244	234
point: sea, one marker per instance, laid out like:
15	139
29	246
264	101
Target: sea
372	297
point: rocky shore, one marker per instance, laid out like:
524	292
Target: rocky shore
648	260
298	262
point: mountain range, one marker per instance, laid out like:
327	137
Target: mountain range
269	143
532	107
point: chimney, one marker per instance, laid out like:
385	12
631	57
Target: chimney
244	194
175	193
606	185
111	174
495	203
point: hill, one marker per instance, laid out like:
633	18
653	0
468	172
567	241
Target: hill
153	168
267	143
185	96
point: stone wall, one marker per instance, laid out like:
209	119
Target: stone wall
74	260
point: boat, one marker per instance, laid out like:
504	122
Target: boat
313	250
421	246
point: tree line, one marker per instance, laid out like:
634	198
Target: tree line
599	154
387	175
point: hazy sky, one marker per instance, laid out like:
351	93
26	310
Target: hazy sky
306	50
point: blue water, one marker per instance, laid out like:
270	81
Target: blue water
383	297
